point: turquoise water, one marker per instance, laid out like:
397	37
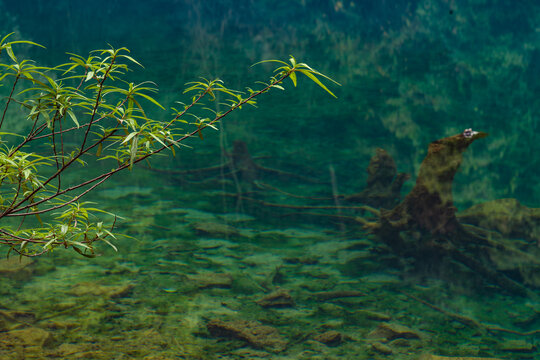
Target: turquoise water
205	247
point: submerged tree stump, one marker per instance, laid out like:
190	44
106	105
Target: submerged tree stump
383	189
429	207
424	225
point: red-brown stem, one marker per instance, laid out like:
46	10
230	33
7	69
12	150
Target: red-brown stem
60	205
9	99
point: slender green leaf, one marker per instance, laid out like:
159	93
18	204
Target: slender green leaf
73	117
316	81
266	61
129	137
133	150
131	59
10	53
110	244
152	100
293	78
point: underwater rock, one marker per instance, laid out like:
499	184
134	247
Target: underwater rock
332	310
15	316
214	229
518	346
372	315
333	323
391	331
264	260
106	291
65	350
329	338
32	336
381	348
279	298
251	354
59	324
245	284
193	215
253	332
211	280
400	342
384	184
210	244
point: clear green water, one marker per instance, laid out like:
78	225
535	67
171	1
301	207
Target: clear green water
411	73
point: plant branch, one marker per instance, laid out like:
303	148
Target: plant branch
59	206
12	210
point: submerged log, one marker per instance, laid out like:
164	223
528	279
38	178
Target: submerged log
507	216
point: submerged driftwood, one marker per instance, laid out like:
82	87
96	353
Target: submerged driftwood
424	225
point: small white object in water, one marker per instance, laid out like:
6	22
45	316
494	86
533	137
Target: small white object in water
469	133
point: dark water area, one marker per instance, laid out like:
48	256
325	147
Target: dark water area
291	254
